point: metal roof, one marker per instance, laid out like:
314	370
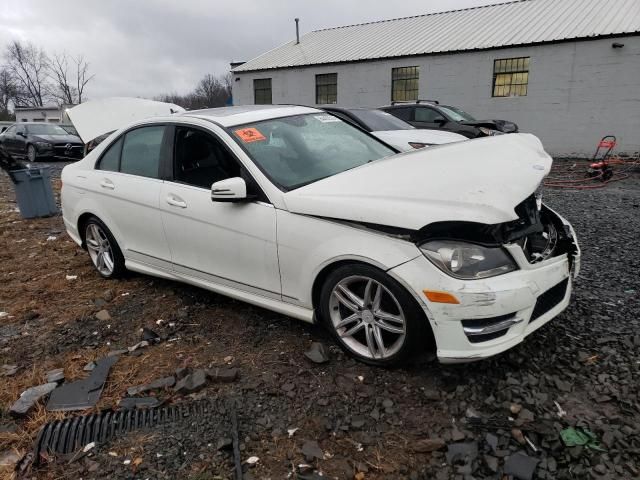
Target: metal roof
521	22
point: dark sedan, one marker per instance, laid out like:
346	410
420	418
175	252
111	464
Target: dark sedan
41	140
430	114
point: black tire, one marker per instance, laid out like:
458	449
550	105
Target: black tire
119	268
415	321
32	155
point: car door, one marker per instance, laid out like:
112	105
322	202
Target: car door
427	117
128	185
19	142
229	244
7	139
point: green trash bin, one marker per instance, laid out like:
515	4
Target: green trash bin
34	192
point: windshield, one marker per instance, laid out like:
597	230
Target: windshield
45	129
378	121
457	114
301	149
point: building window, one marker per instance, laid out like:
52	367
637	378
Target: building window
262	91
510	77
326	88
404	84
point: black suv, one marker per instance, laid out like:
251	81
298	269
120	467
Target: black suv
38	139
430	114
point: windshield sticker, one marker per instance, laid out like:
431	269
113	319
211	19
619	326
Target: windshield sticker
326	118
248	135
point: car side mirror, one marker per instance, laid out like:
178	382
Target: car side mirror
20	134
441	121
230	190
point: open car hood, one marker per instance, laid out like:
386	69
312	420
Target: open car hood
479	180
97	117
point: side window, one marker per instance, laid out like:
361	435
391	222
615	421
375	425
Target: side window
111	158
141	151
200	159
21	129
428	115
11	130
401	113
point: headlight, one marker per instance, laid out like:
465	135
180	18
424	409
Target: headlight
44	145
488	132
466	260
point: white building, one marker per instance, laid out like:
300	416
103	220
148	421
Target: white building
49	113
565	70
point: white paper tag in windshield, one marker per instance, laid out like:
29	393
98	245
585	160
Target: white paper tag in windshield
326	118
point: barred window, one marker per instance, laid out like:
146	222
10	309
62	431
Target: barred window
510	77
326	88
404	84
262	91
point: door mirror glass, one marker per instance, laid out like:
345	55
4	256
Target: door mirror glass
229	190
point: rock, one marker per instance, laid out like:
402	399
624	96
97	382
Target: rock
426	445
9	458
517	434
521	466
457	435
288	387
526	416
492	463
515	408
103	316
387	403
432	395
108	295
55	376
192	382
311	450
492	441
223	375
165	382
138	402
99	302
89	366
461	452
29	397
317	353
8	370
357	422
225	443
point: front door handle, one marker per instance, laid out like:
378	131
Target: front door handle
108	184
176	202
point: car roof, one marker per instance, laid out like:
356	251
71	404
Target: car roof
231	116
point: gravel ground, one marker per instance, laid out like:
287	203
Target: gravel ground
369	423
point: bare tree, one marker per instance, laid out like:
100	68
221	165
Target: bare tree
9	94
28	64
68	87
211	91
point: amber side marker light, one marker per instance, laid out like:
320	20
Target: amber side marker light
440	297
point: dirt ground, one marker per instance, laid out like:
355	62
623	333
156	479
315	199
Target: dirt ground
369	423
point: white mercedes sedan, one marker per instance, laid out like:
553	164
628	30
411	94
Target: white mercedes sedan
292	209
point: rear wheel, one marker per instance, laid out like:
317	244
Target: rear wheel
103	249
371	316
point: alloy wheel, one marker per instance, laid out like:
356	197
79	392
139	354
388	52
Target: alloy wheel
100	249
31	153
367	317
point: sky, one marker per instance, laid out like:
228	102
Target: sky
150	47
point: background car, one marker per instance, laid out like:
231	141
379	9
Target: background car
430	114
397	133
295	210
38	140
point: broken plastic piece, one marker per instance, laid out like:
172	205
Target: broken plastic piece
29	397
83	393
573	437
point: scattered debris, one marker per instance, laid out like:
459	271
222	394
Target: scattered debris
158	384
9	458
292	431
252	460
573	437
82	393
150	336
228	359
318	353
138	402
117	353
521	466
4	314
461	452
89	366
51	238
192	383
29	398
561	412
8	370
138	345
427	445
311	451
222	375
55	376
103	316
72	277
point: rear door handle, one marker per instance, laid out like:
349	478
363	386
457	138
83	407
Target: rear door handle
176	201
107	184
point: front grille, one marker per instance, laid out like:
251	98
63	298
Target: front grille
61	150
549	299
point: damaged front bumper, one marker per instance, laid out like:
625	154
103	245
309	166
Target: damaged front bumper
497	313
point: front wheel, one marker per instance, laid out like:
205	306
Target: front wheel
103	249
31	153
371	315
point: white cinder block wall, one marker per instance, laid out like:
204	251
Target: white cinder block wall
578	91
